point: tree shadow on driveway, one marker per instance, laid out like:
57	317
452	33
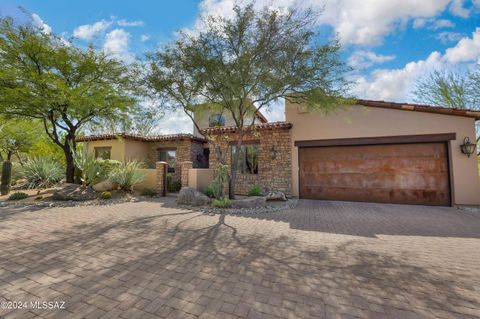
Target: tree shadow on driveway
187	263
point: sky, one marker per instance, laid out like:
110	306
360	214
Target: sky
388	43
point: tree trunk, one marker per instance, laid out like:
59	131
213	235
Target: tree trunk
233	168
9	155
70	167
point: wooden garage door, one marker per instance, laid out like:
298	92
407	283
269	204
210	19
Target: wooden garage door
394	173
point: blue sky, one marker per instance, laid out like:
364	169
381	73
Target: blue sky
389	43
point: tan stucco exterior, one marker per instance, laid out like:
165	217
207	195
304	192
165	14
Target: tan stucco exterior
360	121
199	178
117	145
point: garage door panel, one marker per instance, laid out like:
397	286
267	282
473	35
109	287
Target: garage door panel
401	173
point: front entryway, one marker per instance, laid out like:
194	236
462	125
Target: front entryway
393	173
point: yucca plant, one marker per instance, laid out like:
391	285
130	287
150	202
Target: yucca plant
128	175
42	172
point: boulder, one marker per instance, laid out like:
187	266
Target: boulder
190	196
250	202
74	192
105	186
275	195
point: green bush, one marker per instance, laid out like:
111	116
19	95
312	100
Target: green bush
107	167
209	190
106	195
18	196
221	203
219	183
127	175
173	185
149	192
42	172
255	190
89	169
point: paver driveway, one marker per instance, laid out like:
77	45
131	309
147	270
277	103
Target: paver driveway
323	259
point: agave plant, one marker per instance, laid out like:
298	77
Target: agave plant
42	172
128	175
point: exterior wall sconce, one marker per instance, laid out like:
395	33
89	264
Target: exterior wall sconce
273	152
467	148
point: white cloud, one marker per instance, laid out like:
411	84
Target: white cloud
457	8
396	84
448	37
45	28
116	44
442	23
175	122
125	23
145	37
89	31
356	22
364	59
466	50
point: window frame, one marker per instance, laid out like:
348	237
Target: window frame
97	149
243	169
220	120
170	168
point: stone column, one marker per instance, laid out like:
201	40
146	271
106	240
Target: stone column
161	168
185	167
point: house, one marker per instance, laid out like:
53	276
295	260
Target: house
372	151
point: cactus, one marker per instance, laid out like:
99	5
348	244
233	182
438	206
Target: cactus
6	177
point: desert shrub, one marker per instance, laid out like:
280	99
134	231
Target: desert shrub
221	203
107	166
89	169
149	192
255	190
17	172
173	185
42	172
106	195
18	196
209	190
219	183
127	175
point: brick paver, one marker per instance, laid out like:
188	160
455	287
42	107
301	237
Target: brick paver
320	260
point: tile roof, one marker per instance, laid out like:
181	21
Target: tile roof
263	126
137	137
421	108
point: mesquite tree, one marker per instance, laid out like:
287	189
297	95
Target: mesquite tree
61	85
255	57
451	89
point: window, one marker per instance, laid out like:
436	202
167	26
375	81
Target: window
248	159
169	156
216	120
103	153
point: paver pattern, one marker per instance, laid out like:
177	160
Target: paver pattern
320	260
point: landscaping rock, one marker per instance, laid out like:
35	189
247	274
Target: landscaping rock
250	202
74	192
190	196
105	186
275	195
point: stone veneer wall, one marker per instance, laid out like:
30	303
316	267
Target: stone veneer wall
187	150
273	174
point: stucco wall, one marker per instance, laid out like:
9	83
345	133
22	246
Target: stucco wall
117	145
361	121
199	178
150	181
136	150
202	119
